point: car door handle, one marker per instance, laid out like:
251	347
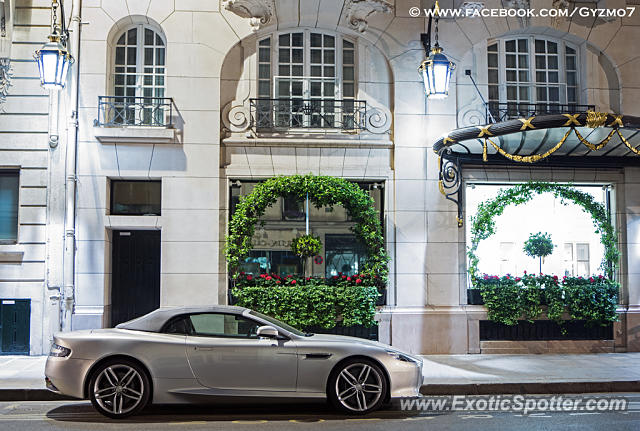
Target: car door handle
204	349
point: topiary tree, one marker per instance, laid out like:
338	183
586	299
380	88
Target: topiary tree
539	245
306	246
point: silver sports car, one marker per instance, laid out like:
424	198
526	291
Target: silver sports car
191	355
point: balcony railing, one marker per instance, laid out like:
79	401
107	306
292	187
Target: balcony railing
116	111
272	115
497	112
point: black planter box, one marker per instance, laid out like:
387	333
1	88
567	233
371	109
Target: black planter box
474	297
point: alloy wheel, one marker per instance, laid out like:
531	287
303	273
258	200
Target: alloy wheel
119	389
359	387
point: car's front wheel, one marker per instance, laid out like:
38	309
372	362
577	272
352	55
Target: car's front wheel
119	388
357	386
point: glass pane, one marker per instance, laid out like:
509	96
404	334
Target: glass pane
541	62
522	45
348	57
554	94
131	80
347	73
264	89
131	55
541	94
493	92
160	80
523	61
493	48
264	54
9	192
511	75
283	40
511	61
571	63
329	89
524	93
264	71
523	76
329	71
346	44
265	42
316	56
148	56
159	41
541	77
553	76
296	39
223	325
553	62
348	90
121	40
296	56
552	47
148	36
316	70
492	60
540	46
512	93
510	46
135	197
283	70
329	41
148	80
132	36
329	56
296	88
284	56
120	55
316	88
571	95
316	39
119	79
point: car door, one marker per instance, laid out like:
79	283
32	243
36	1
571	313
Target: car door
226	354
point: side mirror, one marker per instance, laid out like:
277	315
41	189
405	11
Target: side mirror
267	332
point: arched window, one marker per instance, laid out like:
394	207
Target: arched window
531	74
138	79
313	73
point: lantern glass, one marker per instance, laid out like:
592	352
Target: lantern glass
53	64
436	74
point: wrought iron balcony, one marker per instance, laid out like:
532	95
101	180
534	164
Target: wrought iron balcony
271	115
497	112
118	111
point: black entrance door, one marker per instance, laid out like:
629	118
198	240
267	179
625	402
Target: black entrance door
15	315
135	286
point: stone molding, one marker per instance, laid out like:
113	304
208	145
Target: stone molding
259	12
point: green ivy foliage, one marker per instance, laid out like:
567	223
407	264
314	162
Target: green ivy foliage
323	191
483	223
509	299
312	304
306	246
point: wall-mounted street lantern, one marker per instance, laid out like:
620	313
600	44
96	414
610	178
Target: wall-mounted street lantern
436	70
53	58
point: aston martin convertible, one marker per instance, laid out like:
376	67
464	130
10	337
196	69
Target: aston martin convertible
199	354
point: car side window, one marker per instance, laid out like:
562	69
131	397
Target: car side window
177	325
222	325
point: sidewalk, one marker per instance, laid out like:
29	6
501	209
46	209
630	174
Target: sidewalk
22	377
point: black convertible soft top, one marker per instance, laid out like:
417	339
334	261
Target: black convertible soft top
154	321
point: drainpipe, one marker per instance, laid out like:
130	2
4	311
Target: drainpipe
70	182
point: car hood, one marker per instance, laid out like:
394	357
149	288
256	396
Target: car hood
347	339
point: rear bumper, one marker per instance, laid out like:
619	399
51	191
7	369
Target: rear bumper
66	375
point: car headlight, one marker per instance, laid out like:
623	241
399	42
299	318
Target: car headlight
59	351
400	356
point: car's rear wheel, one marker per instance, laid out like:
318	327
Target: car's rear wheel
357	386
119	388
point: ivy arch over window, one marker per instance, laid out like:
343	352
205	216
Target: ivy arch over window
138	74
532	69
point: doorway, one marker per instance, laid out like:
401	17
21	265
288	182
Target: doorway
15	316
135	286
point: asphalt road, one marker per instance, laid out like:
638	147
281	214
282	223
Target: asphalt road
79	415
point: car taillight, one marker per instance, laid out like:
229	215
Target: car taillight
59	351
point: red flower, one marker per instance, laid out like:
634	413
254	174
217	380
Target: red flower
486	277
348	278
241	272
268	277
278	281
293	282
518	279
335	277
344	276
507	277
555	277
525	273
600	277
358	281
249	277
308	278
591	279
263	275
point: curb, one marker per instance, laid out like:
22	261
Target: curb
435	389
32	395
531	388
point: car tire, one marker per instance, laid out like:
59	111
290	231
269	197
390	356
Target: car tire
119	388
357	386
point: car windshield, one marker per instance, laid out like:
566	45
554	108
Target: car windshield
280	324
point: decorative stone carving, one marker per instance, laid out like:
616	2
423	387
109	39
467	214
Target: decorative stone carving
236	117
259	12
5	78
378	119
519	4
357	12
470	6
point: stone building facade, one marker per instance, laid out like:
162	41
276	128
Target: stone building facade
214	59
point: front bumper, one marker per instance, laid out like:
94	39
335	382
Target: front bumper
406	379
66	375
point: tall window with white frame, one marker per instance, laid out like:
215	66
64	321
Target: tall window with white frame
531	74
306	79
9	191
139	77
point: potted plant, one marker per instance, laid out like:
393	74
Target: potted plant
306	246
539	245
